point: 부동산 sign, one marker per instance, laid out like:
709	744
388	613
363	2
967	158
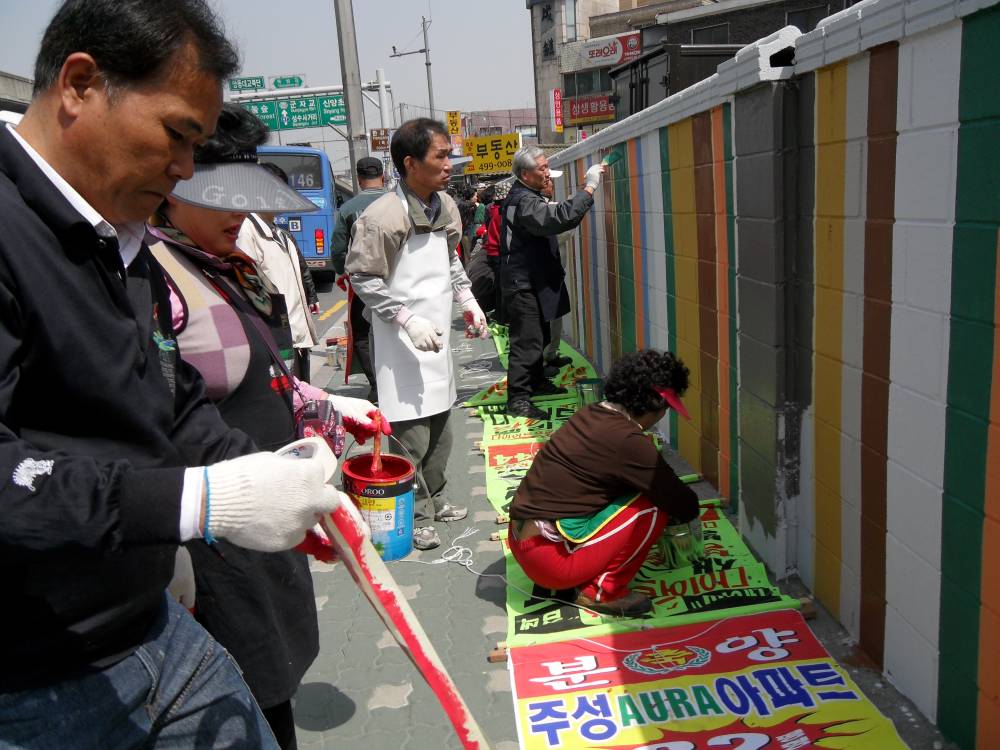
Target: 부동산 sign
491	154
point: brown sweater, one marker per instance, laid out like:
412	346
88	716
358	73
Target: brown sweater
596	457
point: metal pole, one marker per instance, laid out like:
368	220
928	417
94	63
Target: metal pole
357	141
383	99
401	118
427	57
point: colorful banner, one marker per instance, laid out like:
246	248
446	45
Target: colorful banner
752	682
728	580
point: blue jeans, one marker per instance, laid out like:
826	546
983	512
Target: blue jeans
180	689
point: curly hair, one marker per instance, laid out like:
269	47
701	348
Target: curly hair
631	380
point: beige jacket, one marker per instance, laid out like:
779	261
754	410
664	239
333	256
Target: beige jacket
377	238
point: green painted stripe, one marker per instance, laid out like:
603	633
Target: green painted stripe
668	245
734	435
626	271
970	359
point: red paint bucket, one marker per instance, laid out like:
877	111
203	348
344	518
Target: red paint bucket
385	500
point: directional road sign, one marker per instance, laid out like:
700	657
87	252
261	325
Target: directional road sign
298	112
288	82
246	83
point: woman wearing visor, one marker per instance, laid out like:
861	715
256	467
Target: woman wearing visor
232	325
599	494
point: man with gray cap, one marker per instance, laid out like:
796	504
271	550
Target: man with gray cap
531	274
371	180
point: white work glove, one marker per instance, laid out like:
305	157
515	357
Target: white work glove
475	320
425	335
593	176
358	417
265	502
182	586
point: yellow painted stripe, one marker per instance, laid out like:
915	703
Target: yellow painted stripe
831	125
333	309
681	140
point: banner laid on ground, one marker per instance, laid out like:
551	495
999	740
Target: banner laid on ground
728	580
500	427
506	465
579	369
753	682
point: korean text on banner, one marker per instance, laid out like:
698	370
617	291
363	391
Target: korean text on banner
760	681
454	122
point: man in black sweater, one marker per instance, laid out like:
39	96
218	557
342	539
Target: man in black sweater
113	454
532	289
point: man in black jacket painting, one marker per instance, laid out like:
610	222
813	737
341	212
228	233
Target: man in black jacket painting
531	275
113	455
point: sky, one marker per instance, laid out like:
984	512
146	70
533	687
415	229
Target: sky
480	49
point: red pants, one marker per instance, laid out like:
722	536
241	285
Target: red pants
601	567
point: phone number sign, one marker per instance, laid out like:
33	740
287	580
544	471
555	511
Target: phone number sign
491	154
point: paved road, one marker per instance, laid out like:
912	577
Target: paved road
363	692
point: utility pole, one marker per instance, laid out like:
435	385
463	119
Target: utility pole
383	99
357	137
424	23
427	58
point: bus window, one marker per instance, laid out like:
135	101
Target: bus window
305	171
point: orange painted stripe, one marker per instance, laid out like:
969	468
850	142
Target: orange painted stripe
638	282
585	266
722	297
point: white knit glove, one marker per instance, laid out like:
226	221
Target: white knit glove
593	176
182	586
475	318
425	335
264	502
358	417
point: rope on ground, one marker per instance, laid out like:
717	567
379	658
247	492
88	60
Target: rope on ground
464	556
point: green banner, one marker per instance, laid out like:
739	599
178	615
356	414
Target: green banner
569	375
728	581
500	427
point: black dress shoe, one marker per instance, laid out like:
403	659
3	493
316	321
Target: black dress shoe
522	407
547	388
559	361
550	371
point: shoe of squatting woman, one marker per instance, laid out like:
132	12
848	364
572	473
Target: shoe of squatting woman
231	325
598	495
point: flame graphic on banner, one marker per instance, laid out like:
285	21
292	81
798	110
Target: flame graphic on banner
798	731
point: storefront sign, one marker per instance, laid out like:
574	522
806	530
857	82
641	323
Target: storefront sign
557	111
586	109
606	51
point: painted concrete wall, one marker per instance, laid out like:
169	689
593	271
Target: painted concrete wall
819	244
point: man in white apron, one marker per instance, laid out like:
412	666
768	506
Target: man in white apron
403	264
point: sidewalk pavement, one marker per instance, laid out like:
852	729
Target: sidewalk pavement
362	691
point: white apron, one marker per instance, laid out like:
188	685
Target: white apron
411	383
